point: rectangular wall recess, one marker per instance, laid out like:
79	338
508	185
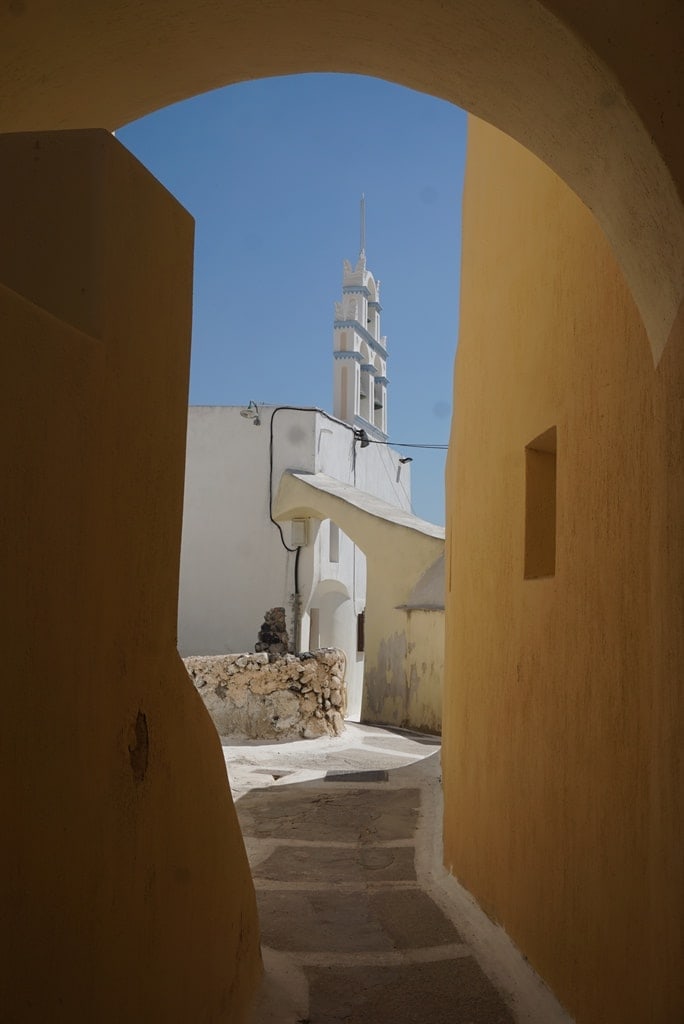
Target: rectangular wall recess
334	547
540	506
314	629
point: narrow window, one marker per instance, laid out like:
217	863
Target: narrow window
361	632
314	629
540	506
334	546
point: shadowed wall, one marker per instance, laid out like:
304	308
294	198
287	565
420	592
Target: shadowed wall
563	698
128	891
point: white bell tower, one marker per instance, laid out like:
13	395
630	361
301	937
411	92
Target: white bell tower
359	350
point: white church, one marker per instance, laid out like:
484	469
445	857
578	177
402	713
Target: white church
237	560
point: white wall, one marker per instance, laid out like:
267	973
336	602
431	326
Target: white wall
233	565
375	469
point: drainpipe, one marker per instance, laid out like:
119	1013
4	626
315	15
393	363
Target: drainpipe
297	605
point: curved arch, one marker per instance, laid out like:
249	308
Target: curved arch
514	63
331	586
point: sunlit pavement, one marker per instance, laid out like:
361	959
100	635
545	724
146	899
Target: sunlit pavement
360	923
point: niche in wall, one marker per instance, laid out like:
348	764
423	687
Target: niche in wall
540	506
334	546
314	629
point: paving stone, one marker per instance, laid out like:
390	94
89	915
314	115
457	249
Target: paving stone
443	992
356	815
352	921
330	864
370	953
411	919
325	921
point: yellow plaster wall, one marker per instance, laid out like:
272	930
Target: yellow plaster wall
563	696
399	549
424	668
126	890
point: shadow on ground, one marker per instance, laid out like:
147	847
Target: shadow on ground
359	921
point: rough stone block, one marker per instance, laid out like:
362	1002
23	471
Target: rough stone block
264	696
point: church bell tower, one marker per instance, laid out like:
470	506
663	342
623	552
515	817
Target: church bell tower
359	350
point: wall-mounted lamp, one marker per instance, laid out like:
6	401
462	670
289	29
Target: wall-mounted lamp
252	413
362	436
405	459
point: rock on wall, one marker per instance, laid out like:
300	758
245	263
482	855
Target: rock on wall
262	697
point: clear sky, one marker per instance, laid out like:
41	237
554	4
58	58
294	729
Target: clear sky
272	171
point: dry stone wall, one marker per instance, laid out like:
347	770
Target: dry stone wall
262	696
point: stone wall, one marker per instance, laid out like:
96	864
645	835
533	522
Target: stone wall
260	696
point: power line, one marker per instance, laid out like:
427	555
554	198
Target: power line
362	436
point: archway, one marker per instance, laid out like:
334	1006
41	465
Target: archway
336	627
580	88
547	74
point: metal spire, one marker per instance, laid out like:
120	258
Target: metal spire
362	249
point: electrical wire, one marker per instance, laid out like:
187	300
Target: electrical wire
407	444
291	408
358	435
296	550
393	482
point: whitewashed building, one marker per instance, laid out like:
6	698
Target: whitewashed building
236	560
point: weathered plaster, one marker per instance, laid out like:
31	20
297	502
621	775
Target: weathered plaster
399	549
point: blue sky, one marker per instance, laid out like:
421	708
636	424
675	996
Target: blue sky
272	171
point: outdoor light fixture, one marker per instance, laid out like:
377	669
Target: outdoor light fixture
406	458
252	413
362	436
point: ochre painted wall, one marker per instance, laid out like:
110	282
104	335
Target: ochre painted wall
126	890
563	704
424	668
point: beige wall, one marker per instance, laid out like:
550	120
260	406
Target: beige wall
563	704
126	890
402	680
424	668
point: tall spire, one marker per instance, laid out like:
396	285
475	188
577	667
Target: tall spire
362	246
359	349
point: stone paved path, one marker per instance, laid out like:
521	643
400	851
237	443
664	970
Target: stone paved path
359	921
